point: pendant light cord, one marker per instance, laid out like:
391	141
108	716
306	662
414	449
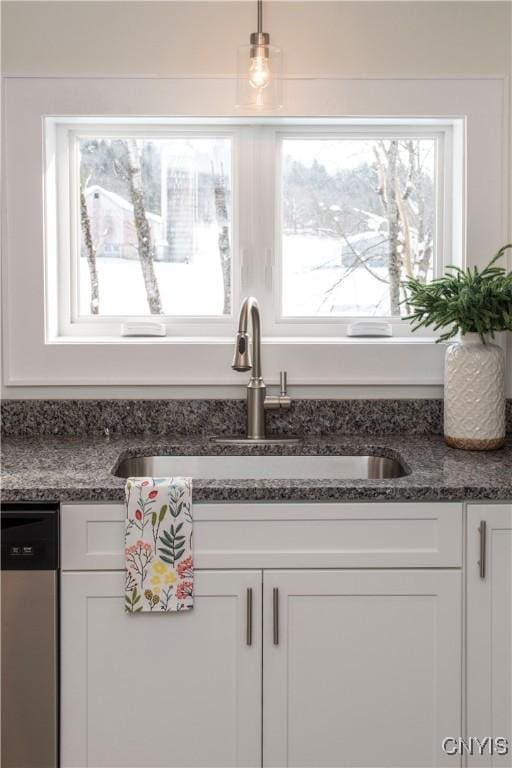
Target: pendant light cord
260	16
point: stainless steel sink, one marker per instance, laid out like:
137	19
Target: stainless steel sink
262	467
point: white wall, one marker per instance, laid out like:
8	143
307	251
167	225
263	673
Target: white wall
344	39
348	39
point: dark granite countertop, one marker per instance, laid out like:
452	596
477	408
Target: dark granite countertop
79	469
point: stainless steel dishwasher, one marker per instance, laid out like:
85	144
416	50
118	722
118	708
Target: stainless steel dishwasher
29	635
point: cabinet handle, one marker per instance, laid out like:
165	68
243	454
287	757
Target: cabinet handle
248	637
275	607
483	537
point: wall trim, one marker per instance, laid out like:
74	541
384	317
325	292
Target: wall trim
28	361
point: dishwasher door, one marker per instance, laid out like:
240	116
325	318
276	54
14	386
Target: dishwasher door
29	636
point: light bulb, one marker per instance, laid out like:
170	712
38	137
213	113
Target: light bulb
259	72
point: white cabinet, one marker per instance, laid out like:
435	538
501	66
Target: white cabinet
357	664
141	691
294	535
363	668
489	629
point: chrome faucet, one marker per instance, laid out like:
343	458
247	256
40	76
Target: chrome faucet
257	400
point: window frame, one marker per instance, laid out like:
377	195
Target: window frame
317	366
256	207
449	197
67	323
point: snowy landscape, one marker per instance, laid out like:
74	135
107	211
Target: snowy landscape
358	216
188	289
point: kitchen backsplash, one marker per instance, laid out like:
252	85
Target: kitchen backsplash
205	417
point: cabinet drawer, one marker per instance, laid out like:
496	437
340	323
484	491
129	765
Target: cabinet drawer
355	535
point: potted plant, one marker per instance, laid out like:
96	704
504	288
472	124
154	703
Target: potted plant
475	305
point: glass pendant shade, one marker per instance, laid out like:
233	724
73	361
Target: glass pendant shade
259	74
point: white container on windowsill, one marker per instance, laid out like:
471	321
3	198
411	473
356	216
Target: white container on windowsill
474	394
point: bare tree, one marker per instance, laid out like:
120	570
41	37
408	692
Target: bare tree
405	204
411	262
221	213
423	260
126	160
146	250
90	252
387	163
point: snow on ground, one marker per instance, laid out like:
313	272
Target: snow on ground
185	289
311	265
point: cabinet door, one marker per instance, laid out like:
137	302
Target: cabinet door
489	631
174	689
363	668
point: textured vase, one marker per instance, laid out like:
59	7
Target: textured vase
474	394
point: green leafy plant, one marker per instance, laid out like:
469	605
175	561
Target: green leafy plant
463	301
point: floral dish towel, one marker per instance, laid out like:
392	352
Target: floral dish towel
158	544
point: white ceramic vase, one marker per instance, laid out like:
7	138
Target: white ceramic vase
474	394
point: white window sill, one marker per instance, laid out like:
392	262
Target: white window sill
292	341
207	362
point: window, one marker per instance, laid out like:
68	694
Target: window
50	340
155	219
357	215
320	219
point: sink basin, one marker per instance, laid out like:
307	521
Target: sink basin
262	467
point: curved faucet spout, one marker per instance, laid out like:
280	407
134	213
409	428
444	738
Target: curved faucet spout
242	360
257	401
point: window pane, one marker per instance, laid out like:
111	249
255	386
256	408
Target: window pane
358	215
156	226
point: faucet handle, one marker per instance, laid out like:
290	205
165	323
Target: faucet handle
283	381
282	400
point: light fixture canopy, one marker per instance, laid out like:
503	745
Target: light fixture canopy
259	71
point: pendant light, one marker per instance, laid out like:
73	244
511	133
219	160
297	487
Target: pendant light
259	75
